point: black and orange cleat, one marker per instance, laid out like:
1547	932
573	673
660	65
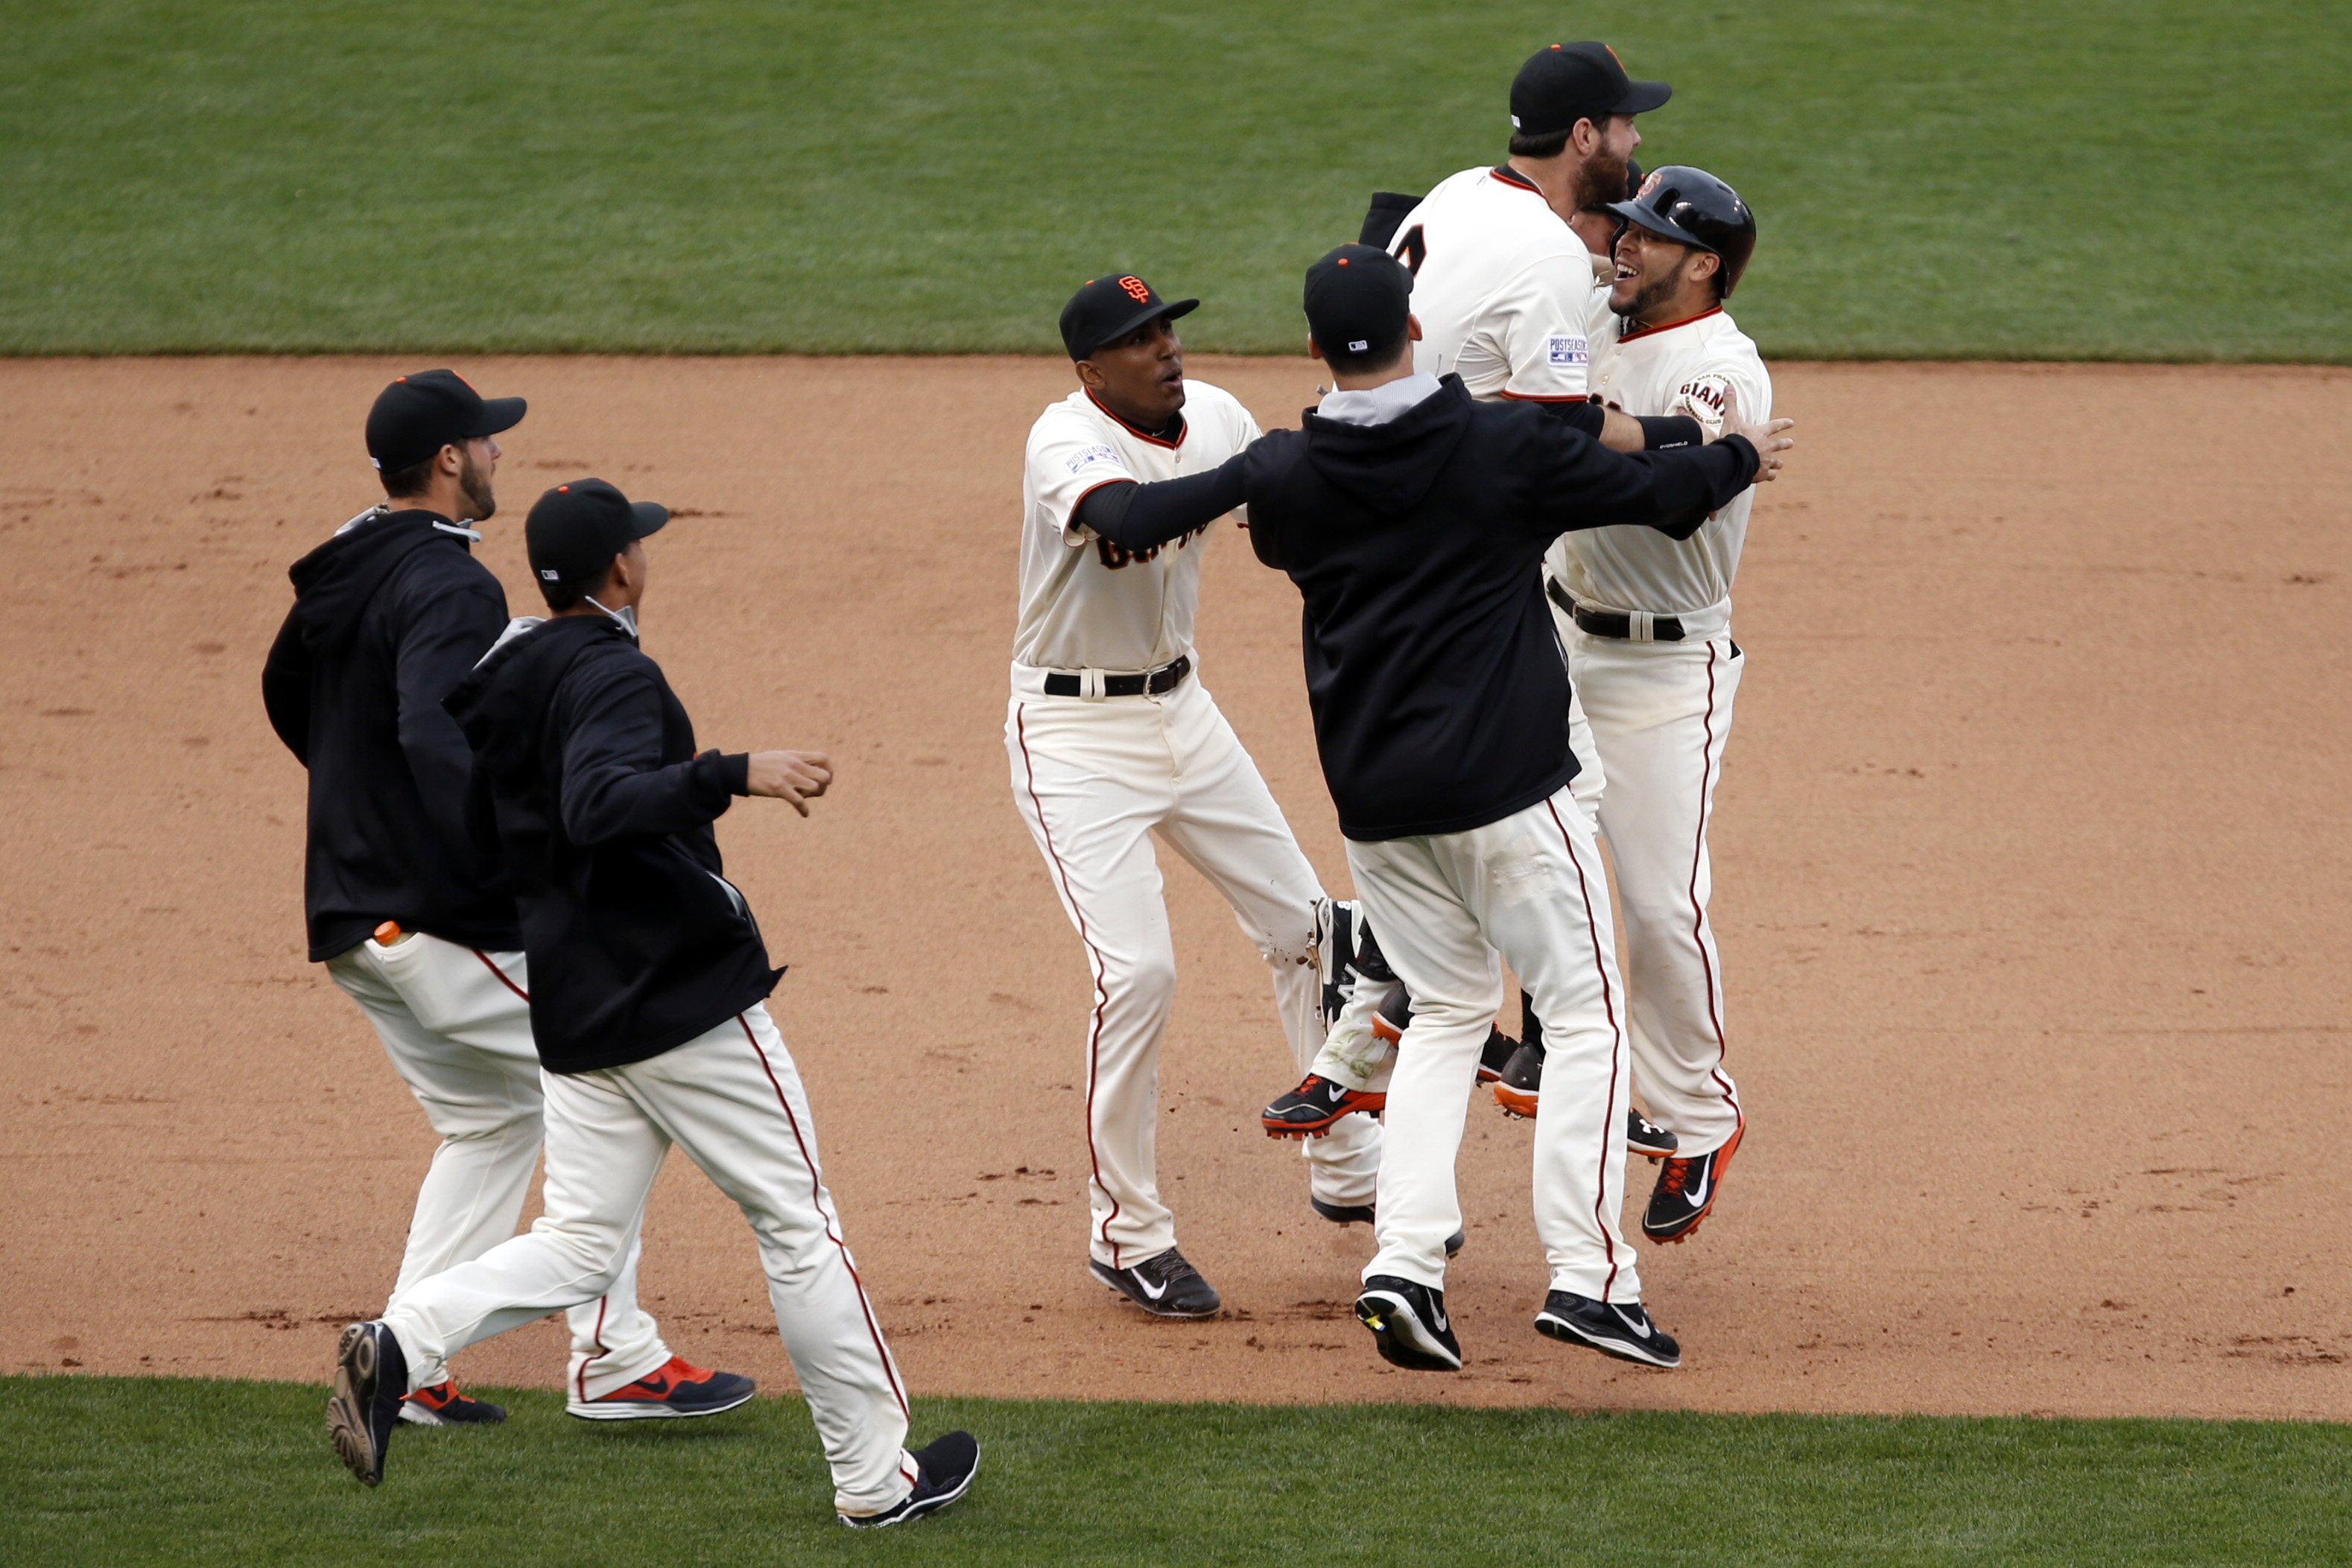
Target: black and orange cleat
1314	1107
1686	1191
441	1404
675	1390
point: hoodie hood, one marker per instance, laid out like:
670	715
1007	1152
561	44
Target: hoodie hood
502	706
1389	467
335	583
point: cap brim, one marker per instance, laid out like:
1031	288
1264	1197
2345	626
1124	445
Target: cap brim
1641	97
500	415
1170	308
650	517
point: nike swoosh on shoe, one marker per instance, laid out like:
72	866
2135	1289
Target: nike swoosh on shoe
1147	1290
1697	1196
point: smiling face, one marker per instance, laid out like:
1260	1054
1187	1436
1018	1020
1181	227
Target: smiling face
1660	279
1140	378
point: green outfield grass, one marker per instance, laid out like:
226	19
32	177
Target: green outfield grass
109	1471
2160	179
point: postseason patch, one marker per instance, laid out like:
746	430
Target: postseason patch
1086	456
1565	351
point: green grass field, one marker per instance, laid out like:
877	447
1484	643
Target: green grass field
109	1471
2160	179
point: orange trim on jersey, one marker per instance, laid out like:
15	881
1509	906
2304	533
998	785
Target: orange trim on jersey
1531	397
1081	501
1510	176
1137	430
1669	326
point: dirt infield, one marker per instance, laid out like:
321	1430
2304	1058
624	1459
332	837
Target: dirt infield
2032	871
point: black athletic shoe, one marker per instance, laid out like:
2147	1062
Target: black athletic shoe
943	1473
1685	1192
1643	1136
370	1380
1621	1329
1500	1048
443	1405
1408	1324
1315	1107
1362	1213
1395	1016
1165	1286
1517	1088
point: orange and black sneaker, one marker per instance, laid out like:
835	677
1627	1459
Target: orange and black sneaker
675	1389
443	1405
1519	1089
1315	1107
1686	1191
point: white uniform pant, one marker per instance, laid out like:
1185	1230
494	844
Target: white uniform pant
1094	781
1530	887
457	1024
1661	712
733	1099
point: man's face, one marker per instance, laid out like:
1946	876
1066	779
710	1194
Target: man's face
477	463
1651	271
1604	174
1141	376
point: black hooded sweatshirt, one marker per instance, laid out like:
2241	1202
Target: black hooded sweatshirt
1436	679
587	782
387	617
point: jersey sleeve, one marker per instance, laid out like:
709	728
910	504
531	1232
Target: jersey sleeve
1066	460
1542	323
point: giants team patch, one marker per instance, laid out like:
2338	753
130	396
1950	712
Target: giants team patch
1089	454
1565	351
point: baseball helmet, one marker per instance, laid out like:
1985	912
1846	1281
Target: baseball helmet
1695	207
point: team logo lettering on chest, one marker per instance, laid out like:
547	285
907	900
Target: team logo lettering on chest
1115	556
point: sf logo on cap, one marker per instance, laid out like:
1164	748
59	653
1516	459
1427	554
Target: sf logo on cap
1137	289
1648	185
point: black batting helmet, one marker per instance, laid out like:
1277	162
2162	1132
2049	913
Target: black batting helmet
1695	207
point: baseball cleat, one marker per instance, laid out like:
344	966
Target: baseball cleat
1520	1084
1394	1017
675	1390
443	1405
1645	1137
1165	1286
943	1472
1315	1107
1408	1324
1497	1056
1613	1328
1686	1191
1345	954
371	1379
1362	1213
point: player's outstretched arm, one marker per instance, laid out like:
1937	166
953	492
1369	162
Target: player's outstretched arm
795	778
1766	437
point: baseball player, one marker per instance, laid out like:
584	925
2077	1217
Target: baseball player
1411	518
1504	263
1112	736
649	1016
1647	623
409	919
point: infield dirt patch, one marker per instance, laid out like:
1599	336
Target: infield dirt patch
2031	885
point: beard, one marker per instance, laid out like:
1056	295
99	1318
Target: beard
1600	180
474	483
1649	297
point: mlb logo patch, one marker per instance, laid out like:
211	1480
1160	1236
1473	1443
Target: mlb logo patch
1564	350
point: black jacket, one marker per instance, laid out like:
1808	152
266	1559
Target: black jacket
587	781
386	618
1438	687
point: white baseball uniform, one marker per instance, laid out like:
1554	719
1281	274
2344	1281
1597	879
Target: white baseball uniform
457	1024
1661	712
1094	776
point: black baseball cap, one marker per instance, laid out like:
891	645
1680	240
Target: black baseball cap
1568	82
1357	297
1109	309
419	414
574	531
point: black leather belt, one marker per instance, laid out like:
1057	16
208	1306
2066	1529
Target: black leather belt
1615	623
1166	678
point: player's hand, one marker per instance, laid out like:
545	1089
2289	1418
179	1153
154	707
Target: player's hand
1766	437
797	777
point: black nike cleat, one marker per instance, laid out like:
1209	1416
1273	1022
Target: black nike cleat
1315	1107
1521	1083
1613	1328
443	1405
1643	1136
1686	1191
1165	1286
943	1472
1363	1214
1500	1048
371	1381
1408	1324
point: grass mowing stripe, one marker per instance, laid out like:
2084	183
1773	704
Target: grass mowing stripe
109	1471
1989	178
